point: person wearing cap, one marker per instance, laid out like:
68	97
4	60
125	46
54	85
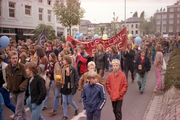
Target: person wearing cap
142	67
116	86
148	51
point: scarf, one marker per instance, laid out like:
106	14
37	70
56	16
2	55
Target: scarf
67	68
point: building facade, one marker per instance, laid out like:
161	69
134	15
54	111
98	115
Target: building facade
168	22
19	17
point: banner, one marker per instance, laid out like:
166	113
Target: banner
42	38
119	40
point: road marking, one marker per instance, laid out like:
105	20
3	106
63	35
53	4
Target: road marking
81	114
27	109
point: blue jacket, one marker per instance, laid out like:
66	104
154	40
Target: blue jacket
94	97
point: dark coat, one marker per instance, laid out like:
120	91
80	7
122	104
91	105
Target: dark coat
74	79
146	65
129	59
37	90
56	52
16	81
100	60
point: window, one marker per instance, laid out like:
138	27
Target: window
6	30
49	15
170	21
178	15
164	21
49	2
157	28
132	32
158	16
136	32
131	26
178	28
171	10
40	1
11	9
164	16
170	28
164	28
178	9
27	10
158	22
177	21
136	25
171	15
40	14
0	7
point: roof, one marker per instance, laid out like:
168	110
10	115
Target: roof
85	22
133	19
177	4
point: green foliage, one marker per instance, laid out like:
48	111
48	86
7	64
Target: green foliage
49	32
102	28
147	26
115	27
142	15
172	75
135	14
69	14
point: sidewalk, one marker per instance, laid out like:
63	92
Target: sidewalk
154	108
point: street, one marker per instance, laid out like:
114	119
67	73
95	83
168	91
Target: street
134	104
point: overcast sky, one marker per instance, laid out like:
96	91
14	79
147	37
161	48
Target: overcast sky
101	11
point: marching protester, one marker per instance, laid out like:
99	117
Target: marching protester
81	61
142	67
83	80
32	52
42	59
17	81
69	85
148	51
7	49
116	86
158	66
3	86
94	97
49	71
129	61
68	45
57	71
153	51
54	49
35	92
112	55
100	59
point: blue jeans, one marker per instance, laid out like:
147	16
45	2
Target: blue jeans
167	49
6	97
1	106
56	100
141	84
67	99
45	103
35	109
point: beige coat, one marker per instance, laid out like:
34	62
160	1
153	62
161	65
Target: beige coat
57	71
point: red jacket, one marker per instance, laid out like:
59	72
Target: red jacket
83	65
116	85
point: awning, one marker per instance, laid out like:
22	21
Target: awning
26	34
7	33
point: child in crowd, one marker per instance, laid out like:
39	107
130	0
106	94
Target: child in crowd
94	97
116	85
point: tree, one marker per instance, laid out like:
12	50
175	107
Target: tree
97	30
148	26
161	9
50	32
115	26
102	28
142	15
164	9
68	13
135	14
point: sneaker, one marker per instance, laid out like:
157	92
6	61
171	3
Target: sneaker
65	118
141	93
76	112
44	108
139	88
52	112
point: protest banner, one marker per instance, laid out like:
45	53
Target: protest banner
120	40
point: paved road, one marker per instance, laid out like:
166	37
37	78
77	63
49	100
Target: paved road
134	104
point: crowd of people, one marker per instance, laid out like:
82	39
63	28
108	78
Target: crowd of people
28	72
